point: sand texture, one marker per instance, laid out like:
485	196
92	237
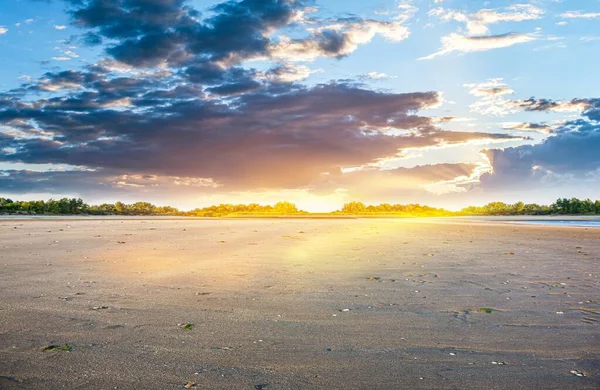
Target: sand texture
297	304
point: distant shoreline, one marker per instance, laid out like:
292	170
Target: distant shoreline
554	220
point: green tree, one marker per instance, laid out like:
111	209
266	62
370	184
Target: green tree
354	208
142	208
285	208
120	208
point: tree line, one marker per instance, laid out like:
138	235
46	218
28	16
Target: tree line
223	210
66	206
562	206
359	208
73	206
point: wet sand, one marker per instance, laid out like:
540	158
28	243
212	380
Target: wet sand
298	304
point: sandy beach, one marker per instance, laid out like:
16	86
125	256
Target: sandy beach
298	304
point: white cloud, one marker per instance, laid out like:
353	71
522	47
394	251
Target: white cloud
342	38
60	27
3	30
492	87
61	58
460	43
477	22
352	35
448	15
556	45
375	76
492	101
300	16
580	15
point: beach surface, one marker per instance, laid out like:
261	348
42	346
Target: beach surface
298	304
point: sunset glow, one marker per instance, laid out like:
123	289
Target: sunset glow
299	194
200	102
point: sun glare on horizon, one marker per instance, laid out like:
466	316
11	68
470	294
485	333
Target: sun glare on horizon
299	194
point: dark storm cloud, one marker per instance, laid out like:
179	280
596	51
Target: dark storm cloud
222	81
131	18
175	101
205	72
333	42
155	31
572	152
145	33
283	136
592	110
239	27
57	80
235	87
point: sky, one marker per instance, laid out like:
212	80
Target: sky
190	103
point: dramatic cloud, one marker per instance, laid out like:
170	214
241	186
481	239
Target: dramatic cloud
569	155
212	103
460	43
280	136
171	32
